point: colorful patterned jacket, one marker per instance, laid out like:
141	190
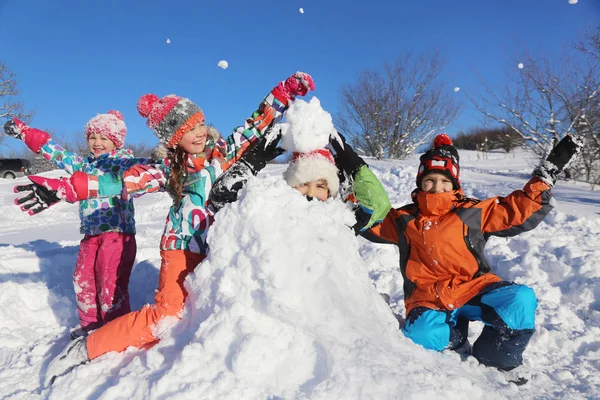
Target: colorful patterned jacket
442	237
98	215
187	223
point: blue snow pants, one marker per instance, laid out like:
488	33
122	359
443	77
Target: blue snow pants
506	309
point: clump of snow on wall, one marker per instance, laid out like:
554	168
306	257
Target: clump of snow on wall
168	40
573	1
456	89
520	65
223	64
308	127
301	10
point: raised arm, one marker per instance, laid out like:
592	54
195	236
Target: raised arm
373	201
523	210
269	112
40	142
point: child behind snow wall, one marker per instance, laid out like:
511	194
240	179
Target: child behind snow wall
447	279
107	251
187	174
314	174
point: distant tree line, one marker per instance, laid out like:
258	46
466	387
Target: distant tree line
484	139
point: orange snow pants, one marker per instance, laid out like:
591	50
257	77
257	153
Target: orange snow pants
135	328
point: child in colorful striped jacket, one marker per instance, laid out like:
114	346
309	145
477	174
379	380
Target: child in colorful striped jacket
194	162
108	248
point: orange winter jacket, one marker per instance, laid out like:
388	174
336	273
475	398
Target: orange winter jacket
442	236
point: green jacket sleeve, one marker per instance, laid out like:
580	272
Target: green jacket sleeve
373	201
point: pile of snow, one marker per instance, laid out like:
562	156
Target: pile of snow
307	127
283	307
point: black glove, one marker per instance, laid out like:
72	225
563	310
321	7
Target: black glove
226	187
262	152
345	157
11	129
559	158
36	198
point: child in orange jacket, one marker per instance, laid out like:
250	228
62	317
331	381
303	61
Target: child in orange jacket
447	279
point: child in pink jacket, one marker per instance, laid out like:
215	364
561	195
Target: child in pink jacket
108	248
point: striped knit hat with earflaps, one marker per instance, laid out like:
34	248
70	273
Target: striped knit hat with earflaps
442	159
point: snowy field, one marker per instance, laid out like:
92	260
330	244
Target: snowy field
287	304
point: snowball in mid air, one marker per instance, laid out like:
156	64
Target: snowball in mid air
572	1
168	40
223	64
301	10
308	127
520	65
456	89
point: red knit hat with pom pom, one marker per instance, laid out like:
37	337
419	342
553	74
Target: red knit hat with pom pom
111	125
170	117
443	159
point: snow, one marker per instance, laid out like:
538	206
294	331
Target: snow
223	64
520	65
307	127
573	1
301	10
168	41
456	89
287	304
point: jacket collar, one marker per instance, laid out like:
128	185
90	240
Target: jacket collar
435	205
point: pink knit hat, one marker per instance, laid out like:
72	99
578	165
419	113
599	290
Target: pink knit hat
111	125
312	166
170	117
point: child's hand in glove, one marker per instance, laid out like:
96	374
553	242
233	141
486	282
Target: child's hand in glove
559	158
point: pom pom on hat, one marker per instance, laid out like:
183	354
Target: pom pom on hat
170	117
112	125
442	159
146	103
312	166
442	140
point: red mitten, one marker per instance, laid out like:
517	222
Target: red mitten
298	84
63	188
33	138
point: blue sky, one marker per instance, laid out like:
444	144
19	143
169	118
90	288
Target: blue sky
75	59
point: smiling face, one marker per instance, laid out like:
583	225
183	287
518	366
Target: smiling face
318	189
100	144
194	141
436	183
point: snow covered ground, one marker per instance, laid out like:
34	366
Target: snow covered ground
287	304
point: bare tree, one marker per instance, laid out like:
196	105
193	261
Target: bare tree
393	112
549	99
9	108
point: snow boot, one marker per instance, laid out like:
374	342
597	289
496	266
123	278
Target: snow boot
519	375
78	332
73	355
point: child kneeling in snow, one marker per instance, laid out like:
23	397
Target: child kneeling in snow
447	279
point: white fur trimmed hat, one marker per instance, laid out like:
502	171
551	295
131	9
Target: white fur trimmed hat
311	166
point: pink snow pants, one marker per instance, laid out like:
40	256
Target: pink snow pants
101	277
